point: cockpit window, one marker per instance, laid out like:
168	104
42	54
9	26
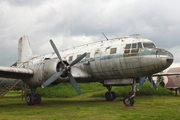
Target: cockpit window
128	46
132	49
149	45
133	45
139	45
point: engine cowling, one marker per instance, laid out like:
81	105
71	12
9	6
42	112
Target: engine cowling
42	71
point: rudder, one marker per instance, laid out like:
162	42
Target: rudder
24	49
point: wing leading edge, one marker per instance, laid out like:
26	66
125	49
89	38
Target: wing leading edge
79	73
166	74
17	73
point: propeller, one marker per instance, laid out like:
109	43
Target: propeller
65	70
77	59
56	51
52	79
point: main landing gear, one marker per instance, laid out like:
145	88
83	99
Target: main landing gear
110	96
128	100
32	98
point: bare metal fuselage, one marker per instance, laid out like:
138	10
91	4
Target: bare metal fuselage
120	66
105	60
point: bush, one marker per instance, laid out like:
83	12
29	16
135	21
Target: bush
97	90
66	90
145	90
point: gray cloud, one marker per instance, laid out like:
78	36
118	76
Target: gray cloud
29	3
69	22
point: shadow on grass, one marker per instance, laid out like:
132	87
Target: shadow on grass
60	101
16	101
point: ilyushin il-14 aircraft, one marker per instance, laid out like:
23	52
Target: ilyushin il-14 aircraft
112	62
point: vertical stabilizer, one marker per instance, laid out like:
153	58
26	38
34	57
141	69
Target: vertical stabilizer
24	49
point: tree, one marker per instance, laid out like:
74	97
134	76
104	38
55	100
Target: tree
160	81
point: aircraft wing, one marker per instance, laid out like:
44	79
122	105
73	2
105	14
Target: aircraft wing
166	74
17	73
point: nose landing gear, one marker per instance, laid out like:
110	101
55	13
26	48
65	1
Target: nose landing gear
129	99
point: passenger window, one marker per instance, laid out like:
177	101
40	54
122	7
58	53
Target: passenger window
113	50
70	58
133	45
78	55
88	55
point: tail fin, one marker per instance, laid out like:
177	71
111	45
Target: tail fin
24	49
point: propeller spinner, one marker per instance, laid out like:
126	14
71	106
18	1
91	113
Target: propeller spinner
66	70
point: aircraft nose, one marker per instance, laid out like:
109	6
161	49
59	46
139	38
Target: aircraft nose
166	56
169	61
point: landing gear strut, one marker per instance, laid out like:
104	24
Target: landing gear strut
33	99
110	96
129	99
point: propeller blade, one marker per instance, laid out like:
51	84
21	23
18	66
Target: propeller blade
74	84
56	51
52	79
78	59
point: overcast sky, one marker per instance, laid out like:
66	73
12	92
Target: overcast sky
76	22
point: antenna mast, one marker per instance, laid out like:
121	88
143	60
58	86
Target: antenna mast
105	36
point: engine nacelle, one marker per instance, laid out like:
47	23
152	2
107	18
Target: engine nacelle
42	71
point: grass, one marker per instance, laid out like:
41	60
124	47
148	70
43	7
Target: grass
66	90
88	108
149	104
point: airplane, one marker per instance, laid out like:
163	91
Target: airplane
172	80
112	62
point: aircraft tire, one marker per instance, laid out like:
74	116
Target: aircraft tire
113	95
108	96
30	99
128	102
37	99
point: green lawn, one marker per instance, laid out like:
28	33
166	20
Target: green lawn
91	108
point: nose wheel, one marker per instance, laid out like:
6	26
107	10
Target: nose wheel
129	99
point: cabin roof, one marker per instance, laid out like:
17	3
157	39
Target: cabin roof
100	44
107	43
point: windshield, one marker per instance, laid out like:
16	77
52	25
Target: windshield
149	45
